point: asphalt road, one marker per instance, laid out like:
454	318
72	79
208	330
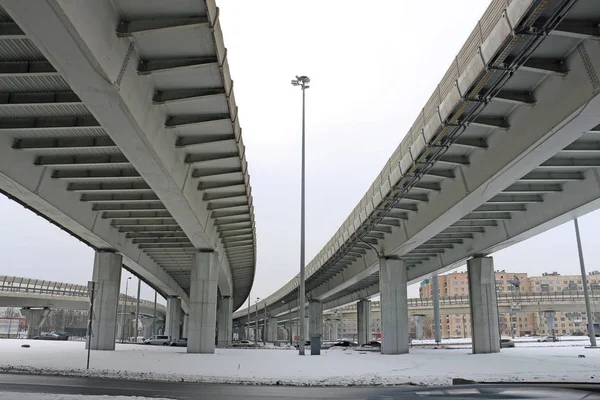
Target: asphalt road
184	390
174	390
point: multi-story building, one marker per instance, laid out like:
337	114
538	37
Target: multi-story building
515	323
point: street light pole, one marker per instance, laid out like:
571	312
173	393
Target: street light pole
137	310
124	312
586	294
154	315
256	322
248	322
302	81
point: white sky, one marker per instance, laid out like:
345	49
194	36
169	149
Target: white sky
373	65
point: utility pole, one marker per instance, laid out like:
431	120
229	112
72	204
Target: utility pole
248	322
256	322
586	294
137	311
124	312
91	291
154	315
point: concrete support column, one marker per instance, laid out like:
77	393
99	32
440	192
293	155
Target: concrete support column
484	307
272	330
184	329
124	332
147	323
394	306
203	303
173	324
306	328
550	319
225	321
35	318
107	277
363	320
315	326
419	325
335	331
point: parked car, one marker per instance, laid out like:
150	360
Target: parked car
344	343
62	335
158	340
47	336
179	342
548	339
243	343
306	344
373	343
504	343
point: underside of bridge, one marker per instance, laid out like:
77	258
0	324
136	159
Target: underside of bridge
507	147
119	124
66	154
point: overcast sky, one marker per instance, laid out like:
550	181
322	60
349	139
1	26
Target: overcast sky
373	65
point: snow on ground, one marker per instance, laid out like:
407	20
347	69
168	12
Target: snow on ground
565	341
47	396
426	366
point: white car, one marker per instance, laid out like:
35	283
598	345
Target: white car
244	343
158	340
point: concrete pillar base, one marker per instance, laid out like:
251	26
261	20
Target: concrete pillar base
363	320
484	305
420	325
203	303
107	278
184	329
315	326
35	318
272	331
173	325
335	330
124	324
394	306
225	321
147	324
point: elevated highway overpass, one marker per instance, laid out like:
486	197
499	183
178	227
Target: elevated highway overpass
118	123
38	293
38	297
508	146
565	301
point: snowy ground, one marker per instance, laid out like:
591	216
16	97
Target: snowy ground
426	366
565	341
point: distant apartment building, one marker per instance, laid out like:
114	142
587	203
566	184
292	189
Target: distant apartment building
517	283
509	286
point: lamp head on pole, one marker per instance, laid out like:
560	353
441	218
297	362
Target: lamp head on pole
301	81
